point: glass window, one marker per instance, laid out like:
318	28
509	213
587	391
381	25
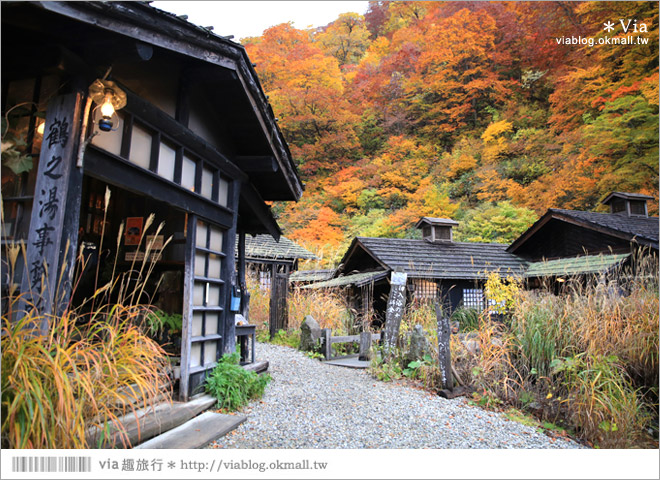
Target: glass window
109	141
211	323
200	264
215	263
195	354
199	294
207	183
188	173
223	191
216	239
473	298
201	234
140	153
210	351
166	161
197	321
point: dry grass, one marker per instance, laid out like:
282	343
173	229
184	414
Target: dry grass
587	359
56	386
327	308
84	370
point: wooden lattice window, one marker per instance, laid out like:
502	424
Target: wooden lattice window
424	290
473	298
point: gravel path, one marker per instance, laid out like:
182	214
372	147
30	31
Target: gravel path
312	405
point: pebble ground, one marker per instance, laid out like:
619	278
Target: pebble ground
312	405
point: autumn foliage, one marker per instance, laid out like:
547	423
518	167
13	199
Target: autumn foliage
478	111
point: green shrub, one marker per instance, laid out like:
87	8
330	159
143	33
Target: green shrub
287	338
234	386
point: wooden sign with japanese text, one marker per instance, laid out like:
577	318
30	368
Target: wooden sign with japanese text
396	304
46	243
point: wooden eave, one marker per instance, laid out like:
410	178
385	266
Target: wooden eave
149	25
351	251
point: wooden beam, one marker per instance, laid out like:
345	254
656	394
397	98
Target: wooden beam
257	164
114	170
161	121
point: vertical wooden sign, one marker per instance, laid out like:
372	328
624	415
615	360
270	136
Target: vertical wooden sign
444	350
395	306
47	241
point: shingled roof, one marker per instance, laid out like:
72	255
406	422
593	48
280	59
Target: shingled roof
421	259
643	230
576	265
266	248
311	275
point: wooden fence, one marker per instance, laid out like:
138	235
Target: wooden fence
365	340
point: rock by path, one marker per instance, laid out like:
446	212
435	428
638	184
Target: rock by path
312	405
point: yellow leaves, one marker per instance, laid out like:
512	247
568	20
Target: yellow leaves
378	49
502	292
649	89
458	166
495	130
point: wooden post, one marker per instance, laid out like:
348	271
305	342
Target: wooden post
245	296
395	306
279	312
365	346
228	269
51	231
444	351
327	345
186	326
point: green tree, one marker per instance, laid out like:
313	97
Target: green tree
346	39
495	222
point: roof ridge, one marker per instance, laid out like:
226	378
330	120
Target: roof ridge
429	243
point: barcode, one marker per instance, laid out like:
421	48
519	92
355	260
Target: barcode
51	464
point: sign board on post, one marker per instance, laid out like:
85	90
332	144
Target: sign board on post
444	351
395	307
47	240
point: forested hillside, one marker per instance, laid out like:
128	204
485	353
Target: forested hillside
487	113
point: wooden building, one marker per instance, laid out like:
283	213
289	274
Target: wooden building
569	243
437	268
173	121
265	257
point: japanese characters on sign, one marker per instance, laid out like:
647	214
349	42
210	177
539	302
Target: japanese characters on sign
47	219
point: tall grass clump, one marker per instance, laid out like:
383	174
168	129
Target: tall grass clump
599	400
586	357
91	365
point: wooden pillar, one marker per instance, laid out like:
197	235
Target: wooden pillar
444	351
395	307
365	346
229	266
242	283
53	238
279	310
186	327
327	345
